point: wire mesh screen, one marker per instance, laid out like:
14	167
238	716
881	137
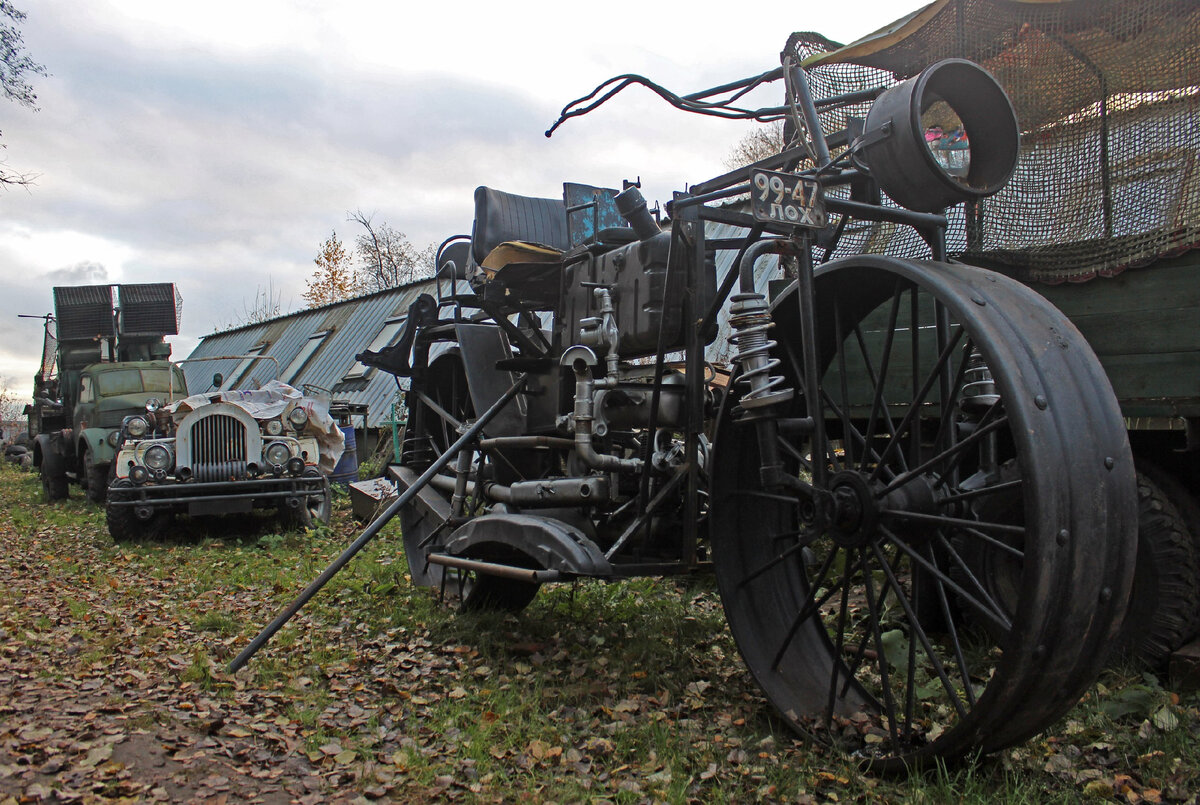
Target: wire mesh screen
83	312
49	353
1106	92
150	308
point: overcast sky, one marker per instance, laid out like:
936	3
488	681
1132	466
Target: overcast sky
216	145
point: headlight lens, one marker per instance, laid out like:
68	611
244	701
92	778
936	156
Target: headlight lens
112	438
157	458
298	417
153	404
278	453
274	427
136	427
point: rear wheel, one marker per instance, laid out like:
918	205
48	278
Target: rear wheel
944	566
1165	600
55	487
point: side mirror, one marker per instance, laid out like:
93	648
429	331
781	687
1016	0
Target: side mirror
217	380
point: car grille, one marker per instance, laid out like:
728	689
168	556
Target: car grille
218	445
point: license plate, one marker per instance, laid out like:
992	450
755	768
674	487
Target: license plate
786	198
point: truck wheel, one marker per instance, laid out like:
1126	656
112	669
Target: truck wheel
125	526
95	477
1165	600
54	486
314	510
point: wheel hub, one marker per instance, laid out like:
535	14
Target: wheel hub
855	510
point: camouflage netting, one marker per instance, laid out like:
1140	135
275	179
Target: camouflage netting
1106	92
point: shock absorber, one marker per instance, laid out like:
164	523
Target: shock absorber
750	320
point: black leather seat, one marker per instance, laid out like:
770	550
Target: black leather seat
501	217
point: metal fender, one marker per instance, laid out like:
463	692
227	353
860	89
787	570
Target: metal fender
48	454
95	439
550	544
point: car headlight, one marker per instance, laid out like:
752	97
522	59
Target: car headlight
112	438
298	418
278	453
136	427
274	427
157	458
153	404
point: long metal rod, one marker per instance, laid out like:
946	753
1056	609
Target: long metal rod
493	569
374	528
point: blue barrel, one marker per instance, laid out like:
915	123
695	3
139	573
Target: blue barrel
346	471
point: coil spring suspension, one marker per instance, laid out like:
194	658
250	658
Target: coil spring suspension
979	387
749	320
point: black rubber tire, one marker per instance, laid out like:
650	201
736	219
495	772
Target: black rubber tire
55	487
95	478
496	594
125	527
313	513
1165	600
834	621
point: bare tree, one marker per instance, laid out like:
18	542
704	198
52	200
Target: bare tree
15	68
760	143
386	258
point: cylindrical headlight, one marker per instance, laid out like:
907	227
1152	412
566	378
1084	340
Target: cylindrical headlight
278	453
948	134
274	427
136	427
112	438
298	418
153	404
157	458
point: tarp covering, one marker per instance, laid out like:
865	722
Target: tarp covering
1107	94
277	399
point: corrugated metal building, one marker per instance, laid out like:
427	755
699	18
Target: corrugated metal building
313	348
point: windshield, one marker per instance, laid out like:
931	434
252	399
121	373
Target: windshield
134	381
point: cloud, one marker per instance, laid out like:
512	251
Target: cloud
86	272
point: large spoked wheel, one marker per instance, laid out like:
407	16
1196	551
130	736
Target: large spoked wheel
435	414
944	568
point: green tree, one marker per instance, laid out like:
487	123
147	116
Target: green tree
335	278
16	67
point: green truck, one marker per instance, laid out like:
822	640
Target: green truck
104	358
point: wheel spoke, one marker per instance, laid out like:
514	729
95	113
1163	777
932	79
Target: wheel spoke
878	404
991	489
965	568
959	657
939	520
989	610
775	561
875	614
812	605
915	625
919	399
847	442
956	452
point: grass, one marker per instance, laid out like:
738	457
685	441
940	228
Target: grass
622	692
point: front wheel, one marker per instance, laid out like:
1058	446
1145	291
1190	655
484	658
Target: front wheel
313	510
942	562
95	476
